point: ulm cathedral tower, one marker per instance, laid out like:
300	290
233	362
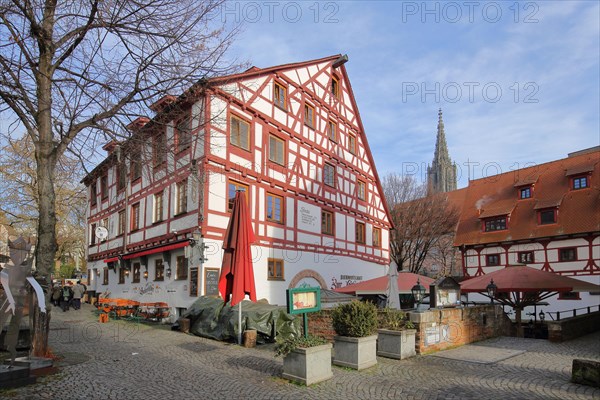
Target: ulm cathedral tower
441	176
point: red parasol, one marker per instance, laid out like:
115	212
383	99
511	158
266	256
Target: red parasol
521	286
527	280
237	274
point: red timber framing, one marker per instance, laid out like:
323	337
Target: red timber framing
249	96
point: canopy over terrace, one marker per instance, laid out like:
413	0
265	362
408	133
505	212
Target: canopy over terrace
379	286
522	286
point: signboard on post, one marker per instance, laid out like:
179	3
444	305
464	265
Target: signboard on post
302	301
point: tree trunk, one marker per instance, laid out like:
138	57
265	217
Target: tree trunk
41	330
46	157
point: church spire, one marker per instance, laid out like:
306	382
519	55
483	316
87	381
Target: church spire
441	176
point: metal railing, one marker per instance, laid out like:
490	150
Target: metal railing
573	312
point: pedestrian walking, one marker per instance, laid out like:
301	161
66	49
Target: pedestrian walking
66	294
78	292
56	291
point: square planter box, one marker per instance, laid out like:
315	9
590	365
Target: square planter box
396	344
308	365
356	353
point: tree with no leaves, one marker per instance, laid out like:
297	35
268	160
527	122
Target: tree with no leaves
76	72
421	220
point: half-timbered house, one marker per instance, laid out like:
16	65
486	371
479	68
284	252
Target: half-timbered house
291	137
546	216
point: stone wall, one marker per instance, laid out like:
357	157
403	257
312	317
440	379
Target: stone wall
571	328
437	329
440	329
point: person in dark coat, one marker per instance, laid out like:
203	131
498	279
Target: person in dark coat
66	294
56	293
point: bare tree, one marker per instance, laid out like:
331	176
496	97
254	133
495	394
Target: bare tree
20	201
75	72
444	254
420	220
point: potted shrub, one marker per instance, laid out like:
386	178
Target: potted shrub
355	324
396	335
305	360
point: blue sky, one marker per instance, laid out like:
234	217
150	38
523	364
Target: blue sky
518	82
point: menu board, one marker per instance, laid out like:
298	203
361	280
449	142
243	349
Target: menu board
211	281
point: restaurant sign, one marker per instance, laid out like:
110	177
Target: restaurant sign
304	299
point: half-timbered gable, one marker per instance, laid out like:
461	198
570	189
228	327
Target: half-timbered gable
291	138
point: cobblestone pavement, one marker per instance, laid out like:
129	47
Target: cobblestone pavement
125	360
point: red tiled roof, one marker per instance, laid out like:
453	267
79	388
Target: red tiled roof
579	170
501	207
406	280
578	210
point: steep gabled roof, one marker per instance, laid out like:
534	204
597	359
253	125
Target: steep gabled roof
578	211
255	72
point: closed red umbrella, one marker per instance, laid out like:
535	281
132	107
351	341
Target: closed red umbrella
237	275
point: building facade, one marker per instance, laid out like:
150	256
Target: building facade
291	138
546	216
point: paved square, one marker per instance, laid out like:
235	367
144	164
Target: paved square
125	360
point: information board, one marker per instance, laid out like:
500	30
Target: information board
211	281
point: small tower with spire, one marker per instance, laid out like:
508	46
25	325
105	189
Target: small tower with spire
441	176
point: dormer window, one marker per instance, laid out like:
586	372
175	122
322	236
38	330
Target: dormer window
495	224
547	216
580	182
580	176
525	192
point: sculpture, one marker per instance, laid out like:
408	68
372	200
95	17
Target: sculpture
14	278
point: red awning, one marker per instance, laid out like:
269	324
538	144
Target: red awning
156	250
112	259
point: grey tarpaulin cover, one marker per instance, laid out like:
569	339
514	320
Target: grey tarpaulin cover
210	317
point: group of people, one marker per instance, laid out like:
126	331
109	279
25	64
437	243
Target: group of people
68	295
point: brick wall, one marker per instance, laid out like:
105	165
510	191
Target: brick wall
437	329
440	329
319	324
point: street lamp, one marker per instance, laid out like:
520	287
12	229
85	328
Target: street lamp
542	316
492	290
418	292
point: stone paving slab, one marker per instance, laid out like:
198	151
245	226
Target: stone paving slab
479	354
126	360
